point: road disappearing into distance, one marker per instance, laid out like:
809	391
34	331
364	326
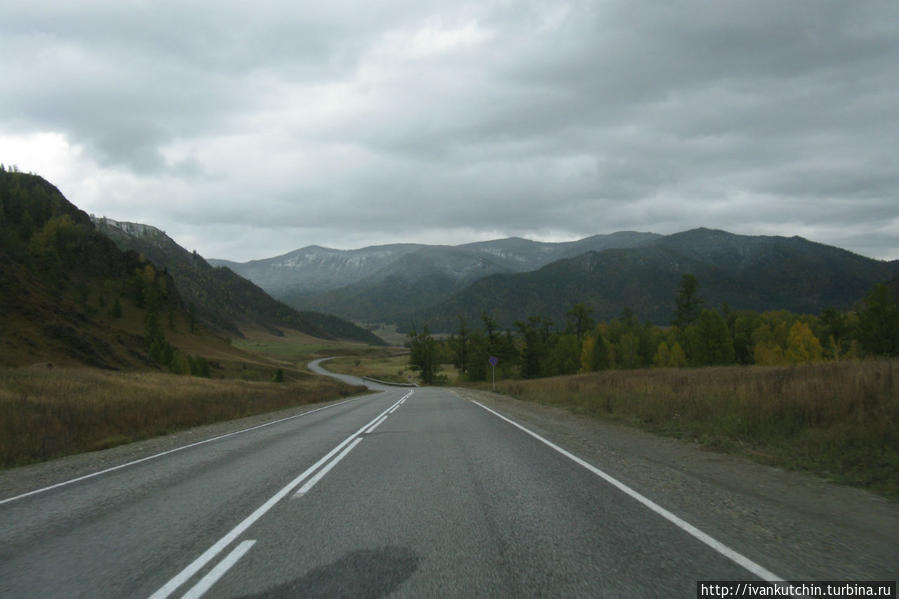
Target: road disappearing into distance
404	492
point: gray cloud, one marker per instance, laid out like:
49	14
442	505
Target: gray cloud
250	133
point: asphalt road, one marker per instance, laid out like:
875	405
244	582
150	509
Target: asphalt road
407	493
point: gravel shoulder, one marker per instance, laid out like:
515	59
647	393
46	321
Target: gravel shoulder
798	526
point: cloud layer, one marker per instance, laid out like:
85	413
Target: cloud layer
248	134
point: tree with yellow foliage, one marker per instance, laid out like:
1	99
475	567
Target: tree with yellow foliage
802	345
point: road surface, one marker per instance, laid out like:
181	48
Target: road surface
406	493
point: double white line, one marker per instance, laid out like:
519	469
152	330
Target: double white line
343	448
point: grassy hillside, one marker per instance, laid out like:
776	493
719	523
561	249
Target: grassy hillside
67	293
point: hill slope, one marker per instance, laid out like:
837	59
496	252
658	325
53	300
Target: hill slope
67	293
758	273
222	298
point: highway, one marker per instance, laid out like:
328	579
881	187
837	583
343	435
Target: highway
406	493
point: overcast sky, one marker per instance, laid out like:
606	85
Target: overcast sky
249	133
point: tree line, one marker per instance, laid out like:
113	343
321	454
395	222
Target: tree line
698	336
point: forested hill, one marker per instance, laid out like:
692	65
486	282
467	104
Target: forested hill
222	298
67	293
745	272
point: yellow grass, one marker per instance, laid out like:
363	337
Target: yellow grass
838	419
296	348
47	413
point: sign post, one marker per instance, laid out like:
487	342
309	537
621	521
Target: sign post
493	361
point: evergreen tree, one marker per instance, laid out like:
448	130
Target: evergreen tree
579	321
688	304
423	355
179	363
710	341
595	353
460	346
199	366
478	355
741	325
535	333
879	323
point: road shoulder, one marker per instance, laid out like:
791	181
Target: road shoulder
797	525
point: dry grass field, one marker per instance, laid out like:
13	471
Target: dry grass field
837	419
393	368
51	412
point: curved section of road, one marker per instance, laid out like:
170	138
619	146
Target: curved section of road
404	492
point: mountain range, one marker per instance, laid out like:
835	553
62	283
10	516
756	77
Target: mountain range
514	278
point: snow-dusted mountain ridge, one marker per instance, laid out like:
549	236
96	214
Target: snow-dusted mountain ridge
314	269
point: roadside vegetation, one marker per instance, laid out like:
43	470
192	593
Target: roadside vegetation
51	412
836	419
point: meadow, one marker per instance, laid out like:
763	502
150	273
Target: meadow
836	419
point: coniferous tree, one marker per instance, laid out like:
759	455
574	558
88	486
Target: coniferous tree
688	304
460	346
710	340
579	321
423	356
879	323
535	333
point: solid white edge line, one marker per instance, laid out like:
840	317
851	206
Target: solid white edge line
199	589
159	455
321	473
192	568
718	546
